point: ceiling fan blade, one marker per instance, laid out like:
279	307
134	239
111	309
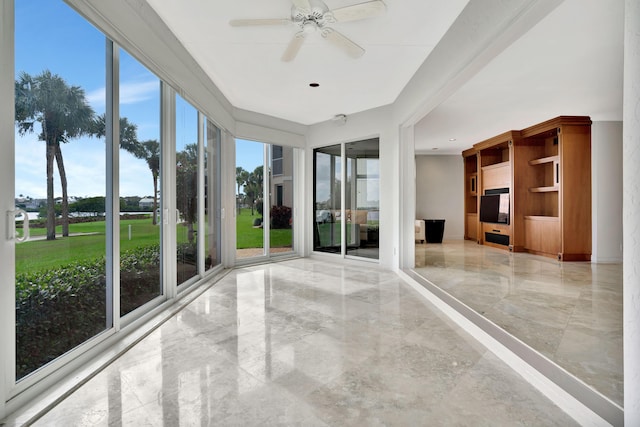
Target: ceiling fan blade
302	4
294	47
369	9
257	22
339	40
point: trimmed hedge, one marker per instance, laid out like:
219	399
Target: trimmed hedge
280	217
58	309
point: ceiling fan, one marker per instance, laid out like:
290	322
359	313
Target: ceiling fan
314	16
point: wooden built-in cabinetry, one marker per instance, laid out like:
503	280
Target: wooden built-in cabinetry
495	162
470	194
547	171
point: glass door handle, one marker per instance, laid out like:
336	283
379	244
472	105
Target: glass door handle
11	225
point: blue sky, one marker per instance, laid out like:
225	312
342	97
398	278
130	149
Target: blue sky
50	35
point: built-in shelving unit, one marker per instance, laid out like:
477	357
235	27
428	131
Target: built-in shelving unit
547	170
495	161
557	211
470	159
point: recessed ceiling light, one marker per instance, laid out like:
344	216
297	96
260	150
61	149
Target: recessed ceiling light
452	139
434	149
314	84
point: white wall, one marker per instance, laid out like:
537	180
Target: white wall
631	214
440	192
606	187
369	124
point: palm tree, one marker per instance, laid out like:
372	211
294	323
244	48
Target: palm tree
150	152
64	114
253	186
187	187
241	178
128	133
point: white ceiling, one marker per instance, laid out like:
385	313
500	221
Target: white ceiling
244	62
570	63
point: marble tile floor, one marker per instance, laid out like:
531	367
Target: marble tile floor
571	312
308	342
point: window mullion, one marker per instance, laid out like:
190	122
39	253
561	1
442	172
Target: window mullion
168	189
112	129
200	235
266	200
343	199
7	203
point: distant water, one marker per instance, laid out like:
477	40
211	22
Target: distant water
36	215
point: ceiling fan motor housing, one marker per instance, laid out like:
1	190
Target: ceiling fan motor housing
313	15
316	17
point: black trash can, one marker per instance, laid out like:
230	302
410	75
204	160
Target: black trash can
434	230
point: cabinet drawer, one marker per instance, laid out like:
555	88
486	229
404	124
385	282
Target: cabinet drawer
496	228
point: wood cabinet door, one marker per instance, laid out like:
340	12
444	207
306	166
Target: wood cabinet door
532	235
542	234
472	226
550	237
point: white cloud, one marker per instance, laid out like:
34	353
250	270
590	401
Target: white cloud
85	167
130	93
97	98
134	92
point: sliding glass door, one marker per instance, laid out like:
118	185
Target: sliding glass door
60	176
327	195
362	198
197	202
264	199
139	160
346	199
281	199
99	157
250	157
186	190
212	200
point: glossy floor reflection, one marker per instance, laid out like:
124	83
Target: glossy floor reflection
312	343
570	312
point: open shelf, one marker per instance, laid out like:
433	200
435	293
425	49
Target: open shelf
541	218
543	160
495	166
543	189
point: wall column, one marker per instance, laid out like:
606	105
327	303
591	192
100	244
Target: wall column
606	191
631	213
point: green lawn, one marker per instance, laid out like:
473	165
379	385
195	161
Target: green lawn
249	237
36	255
85	227
45	254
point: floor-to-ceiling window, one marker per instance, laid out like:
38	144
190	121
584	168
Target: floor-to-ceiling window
250	156
212	165
186	190
89	135
139	169
327	199
264	199
362	198
347	175
61	296
281	199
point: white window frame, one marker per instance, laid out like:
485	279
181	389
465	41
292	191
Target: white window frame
68	370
